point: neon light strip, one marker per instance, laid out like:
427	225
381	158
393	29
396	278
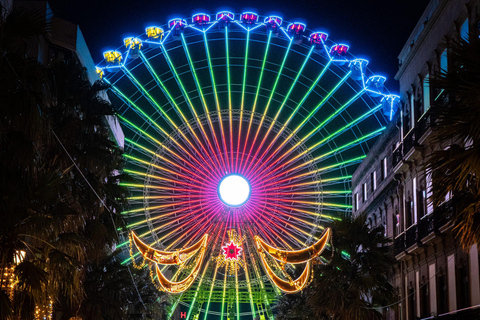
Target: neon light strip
323	182
160	168
214	276
220	120
269	101
200	281
183	234
204	103
161	144
242	103
159	217
247	276
294	112
278	226
172	102
175	164
333	166
230	118
282	105
256	97
316	159
307	118
190	104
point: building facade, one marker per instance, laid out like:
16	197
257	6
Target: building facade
434	278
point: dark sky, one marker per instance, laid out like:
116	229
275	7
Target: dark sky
375	29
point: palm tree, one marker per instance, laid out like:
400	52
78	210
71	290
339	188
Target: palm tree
455	165
354	284
52	120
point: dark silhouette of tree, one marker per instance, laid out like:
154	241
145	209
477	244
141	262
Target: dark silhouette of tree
59	198
354	283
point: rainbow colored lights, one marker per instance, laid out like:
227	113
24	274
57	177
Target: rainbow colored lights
223	95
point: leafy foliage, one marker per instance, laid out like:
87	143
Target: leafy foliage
353	284
55	148
455	165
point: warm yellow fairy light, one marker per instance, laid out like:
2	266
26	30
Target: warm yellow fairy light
293	257
177	257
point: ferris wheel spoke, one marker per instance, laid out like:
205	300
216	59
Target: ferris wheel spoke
264	214
193	71
299	73
217	102
242	103
151	100
323	182
306	119
158	143
215	243
329	168
247	275
259	83
229	89
319	158
188	231
295	226
163	216
267	106
168	161
272	231
296	218
294	112
162	169
173	104
194	112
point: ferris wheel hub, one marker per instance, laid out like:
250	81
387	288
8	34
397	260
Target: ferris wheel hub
234	190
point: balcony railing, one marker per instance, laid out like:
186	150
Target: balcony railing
444	213
399	244
424	123
411	236
426	226
409	142
471	313
397	155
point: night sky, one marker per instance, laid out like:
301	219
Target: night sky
374	29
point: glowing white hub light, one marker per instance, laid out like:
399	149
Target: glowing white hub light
234	190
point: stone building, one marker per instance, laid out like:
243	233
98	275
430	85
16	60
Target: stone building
434	277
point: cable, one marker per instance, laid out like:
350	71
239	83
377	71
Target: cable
76	166
106	207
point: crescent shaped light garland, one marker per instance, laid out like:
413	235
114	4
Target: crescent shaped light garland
178	257
294	257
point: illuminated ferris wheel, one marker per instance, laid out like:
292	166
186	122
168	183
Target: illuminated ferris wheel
241	133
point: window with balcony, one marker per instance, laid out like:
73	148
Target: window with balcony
384	168
463	287
426	93
373	180
414	205
442	302
424	299
428	179
355	202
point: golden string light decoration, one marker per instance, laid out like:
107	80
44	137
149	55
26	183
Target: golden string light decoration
177	257
293	257
231	252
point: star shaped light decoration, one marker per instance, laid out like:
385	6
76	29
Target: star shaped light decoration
231	253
